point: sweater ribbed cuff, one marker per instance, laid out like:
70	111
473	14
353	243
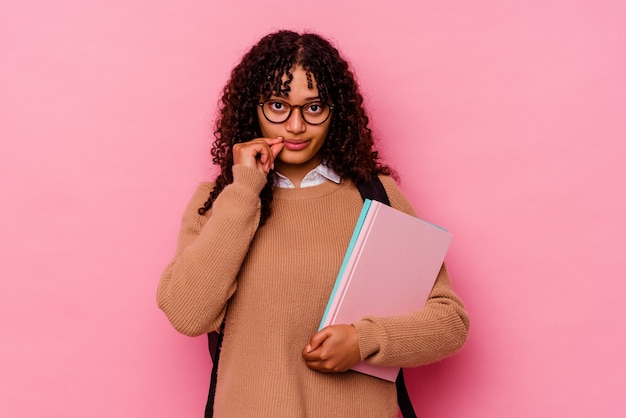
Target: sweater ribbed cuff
367	338
246	176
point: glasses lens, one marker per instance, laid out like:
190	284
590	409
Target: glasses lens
276	111
313	113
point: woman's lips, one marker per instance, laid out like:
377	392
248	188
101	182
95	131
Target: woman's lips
295	144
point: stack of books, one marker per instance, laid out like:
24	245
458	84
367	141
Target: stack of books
391	264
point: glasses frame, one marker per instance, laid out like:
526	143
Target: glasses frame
291	107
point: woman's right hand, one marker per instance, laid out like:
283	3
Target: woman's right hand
258	153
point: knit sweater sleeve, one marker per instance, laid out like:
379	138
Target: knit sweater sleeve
197	283
425	336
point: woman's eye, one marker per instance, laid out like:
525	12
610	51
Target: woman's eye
277	106
314	108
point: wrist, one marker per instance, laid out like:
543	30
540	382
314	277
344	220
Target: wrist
250	177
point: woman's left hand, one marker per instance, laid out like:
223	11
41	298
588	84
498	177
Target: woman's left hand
334	349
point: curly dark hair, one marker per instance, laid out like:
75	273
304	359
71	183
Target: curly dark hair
349	146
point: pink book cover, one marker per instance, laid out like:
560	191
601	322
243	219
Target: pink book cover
389	269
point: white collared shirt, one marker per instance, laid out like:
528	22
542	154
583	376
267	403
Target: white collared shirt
315	177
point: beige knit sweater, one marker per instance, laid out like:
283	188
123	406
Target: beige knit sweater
276	280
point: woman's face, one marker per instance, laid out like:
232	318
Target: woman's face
302	140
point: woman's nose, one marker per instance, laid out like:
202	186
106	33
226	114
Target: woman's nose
295	123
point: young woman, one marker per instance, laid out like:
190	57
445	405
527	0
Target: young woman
261	246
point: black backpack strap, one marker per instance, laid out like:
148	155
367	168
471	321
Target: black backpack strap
374	190
404	400
215	348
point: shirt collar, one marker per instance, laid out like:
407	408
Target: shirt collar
315	177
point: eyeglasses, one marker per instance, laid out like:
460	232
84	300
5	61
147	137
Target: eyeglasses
278	111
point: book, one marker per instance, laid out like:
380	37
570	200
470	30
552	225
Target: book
390	266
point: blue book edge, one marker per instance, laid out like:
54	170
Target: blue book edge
437	226
355	235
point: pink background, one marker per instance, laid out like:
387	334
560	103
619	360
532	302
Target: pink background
504	119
